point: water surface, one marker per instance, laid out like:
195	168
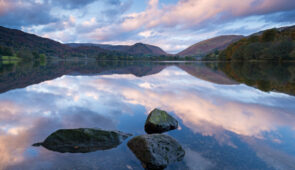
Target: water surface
224	123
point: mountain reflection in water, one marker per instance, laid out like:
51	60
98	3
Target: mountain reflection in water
224	124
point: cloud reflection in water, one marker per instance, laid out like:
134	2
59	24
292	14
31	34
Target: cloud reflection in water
29	115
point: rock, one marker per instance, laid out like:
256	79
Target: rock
159	121
156	151
83	140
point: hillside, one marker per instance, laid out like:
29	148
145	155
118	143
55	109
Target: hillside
18	40
272	44
136	49
27	45
205	47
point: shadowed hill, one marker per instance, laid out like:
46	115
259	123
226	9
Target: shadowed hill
19	41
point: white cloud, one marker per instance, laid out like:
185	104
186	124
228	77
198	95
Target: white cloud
146	34
172	26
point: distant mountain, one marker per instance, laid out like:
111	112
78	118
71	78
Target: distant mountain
205	47
136	49
145	49
103	46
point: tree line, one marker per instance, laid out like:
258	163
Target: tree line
24	54
125	56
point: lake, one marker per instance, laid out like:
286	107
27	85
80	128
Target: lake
231	115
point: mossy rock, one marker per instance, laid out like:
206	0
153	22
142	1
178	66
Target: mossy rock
83	140
160	121
156	151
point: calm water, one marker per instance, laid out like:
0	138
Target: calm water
224	123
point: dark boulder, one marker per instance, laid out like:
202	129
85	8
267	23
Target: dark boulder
83	140
156	151
159	121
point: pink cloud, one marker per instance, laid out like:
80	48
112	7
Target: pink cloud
193	12
4	6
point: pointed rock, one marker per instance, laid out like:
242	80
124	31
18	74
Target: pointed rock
160	121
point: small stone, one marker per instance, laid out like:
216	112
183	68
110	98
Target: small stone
160	121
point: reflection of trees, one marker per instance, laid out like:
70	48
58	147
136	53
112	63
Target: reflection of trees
267	76
23	74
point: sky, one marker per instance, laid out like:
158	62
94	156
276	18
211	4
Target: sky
172	25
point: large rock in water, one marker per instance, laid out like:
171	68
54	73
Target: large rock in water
83	140
159	121
156	151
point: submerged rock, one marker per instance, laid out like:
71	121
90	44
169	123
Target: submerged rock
159	121
83	140
156	151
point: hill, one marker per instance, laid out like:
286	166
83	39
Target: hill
29	45
145	49
205	47
136	49
272	44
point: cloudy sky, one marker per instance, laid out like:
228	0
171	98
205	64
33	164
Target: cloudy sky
171	24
